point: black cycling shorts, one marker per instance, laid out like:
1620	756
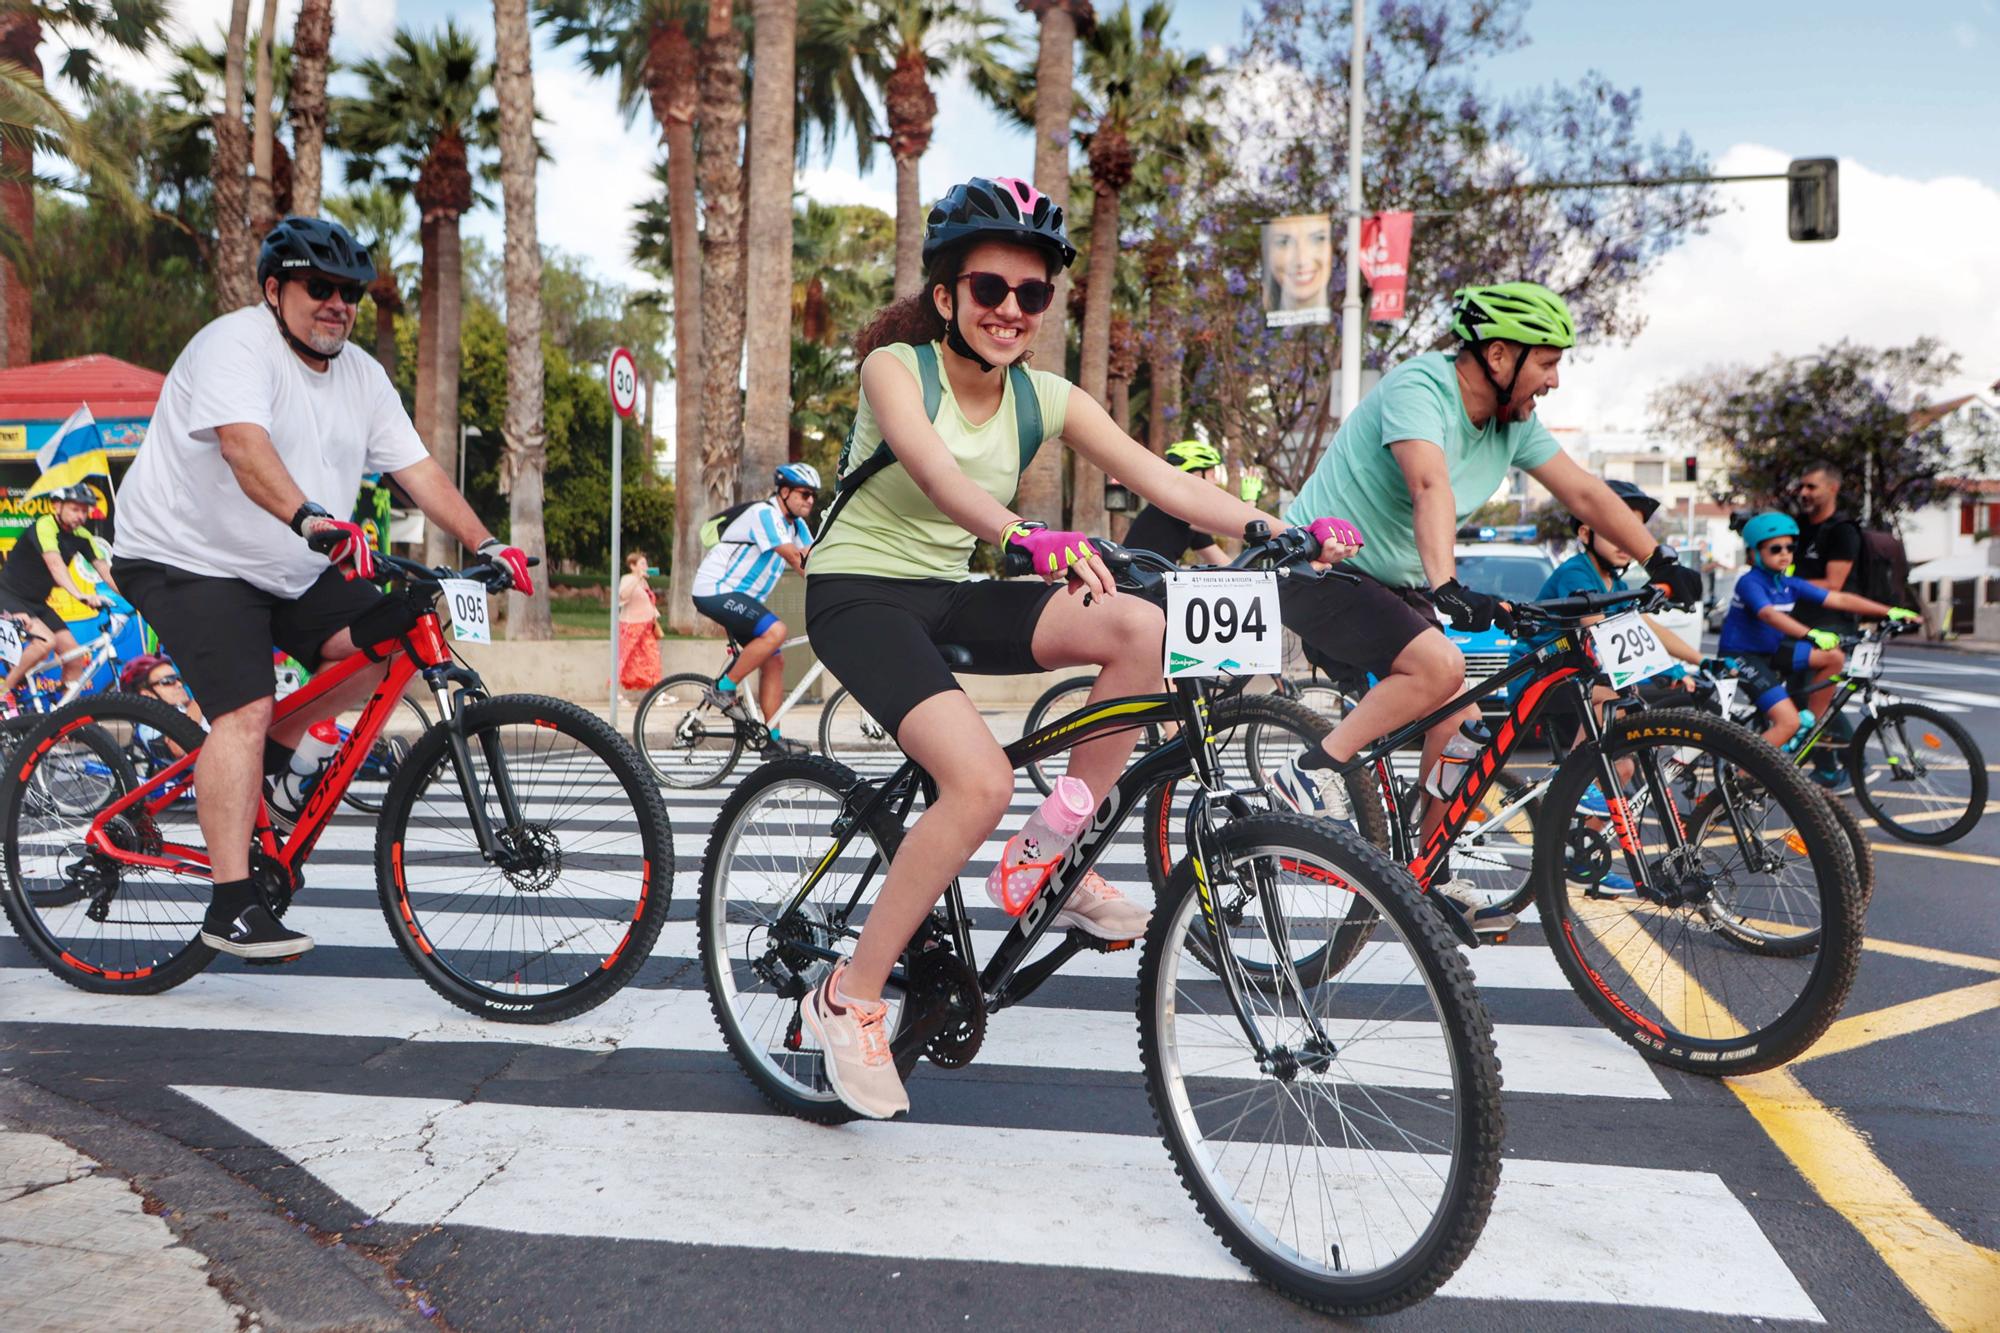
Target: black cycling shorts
13	604
220	632
879	636
743	617
1775	677
1351	630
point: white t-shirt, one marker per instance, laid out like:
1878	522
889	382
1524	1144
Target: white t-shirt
181	505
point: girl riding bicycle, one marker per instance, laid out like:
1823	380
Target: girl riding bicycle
942	386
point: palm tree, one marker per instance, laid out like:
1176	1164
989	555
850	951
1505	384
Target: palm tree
312	35
131	25
525	437
421	112
1137	91
719	172
768	280
1060	23
263	124
380	219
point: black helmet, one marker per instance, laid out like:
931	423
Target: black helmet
312	245
1635	499
996	210
77	494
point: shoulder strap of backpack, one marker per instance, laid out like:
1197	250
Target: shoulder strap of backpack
933	388
1027	414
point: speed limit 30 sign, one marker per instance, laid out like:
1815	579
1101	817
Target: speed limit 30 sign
624	375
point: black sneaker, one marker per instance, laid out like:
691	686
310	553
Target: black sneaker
784	747
255	934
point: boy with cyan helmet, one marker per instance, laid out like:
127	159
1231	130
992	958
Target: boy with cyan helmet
1776	649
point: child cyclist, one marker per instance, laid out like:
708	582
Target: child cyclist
888	579
1775	648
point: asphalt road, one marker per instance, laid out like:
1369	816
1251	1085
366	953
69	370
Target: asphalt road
619	1172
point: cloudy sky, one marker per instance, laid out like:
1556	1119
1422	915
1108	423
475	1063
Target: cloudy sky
1908	104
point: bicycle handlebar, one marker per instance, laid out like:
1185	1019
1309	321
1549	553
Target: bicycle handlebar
1581	606
484	572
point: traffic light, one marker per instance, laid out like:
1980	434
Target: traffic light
1690	465
1812	185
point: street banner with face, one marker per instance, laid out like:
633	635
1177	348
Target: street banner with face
1385	263
1298	266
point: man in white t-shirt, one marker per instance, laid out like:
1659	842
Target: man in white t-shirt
261	436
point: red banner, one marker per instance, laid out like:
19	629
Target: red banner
1385	263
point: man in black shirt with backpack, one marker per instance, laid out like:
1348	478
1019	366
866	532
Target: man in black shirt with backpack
1831	547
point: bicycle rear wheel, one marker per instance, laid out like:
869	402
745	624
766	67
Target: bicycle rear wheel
406	722
570	907
1755	932
1918	774
684	737
1353	1167
1654	967
760	955
847	735
99	924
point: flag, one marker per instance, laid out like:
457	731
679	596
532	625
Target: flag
1385	262
74	452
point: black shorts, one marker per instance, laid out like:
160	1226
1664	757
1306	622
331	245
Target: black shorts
1352	630
220	632
879	636
744	618
1774	677
12	604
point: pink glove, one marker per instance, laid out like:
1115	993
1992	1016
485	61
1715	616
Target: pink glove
342	544
1050	553
1335	530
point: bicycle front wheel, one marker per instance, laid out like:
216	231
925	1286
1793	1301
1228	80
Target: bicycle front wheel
406	722
849	736
567	908
1918	774
685	738
1759	849
1352	1162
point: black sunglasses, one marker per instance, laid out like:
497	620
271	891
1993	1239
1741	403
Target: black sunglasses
161	682
1777	548
990	290
319	289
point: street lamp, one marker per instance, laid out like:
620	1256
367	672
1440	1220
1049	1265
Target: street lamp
465	433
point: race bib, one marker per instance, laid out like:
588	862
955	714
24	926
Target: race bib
10	642
1865	663
1726	691
1627	650
1223	625
466	599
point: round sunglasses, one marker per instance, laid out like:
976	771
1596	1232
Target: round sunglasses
1777	548
990	290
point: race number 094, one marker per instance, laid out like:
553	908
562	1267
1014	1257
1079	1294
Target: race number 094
1224	620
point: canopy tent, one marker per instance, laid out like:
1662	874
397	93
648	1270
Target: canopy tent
36	399
1953	569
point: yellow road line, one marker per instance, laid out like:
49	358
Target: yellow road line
1935	853
1956	1281
1900	1020
1923	953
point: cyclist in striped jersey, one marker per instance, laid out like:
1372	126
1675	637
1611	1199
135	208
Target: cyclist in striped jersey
738	574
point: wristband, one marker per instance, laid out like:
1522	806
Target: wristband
1019	525
306	511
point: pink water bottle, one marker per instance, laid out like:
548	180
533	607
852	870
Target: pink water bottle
1031	855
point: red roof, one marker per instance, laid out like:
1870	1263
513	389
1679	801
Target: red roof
51	390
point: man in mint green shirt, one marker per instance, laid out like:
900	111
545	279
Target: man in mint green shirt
1429	446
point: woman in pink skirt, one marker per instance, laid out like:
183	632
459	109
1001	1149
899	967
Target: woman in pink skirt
638	628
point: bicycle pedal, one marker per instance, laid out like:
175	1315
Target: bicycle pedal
271	962
1083	939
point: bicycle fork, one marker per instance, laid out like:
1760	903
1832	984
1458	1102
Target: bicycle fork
492	848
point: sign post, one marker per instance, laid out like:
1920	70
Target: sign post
622	373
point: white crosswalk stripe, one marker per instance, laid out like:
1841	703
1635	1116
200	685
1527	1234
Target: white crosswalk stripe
937	1191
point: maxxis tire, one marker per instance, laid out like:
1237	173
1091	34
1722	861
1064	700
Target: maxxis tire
1838	951
888	836
650	815
1975	808
1482	1125
192	958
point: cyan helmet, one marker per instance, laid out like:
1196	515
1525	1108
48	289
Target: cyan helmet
1193	455
1767	525
797	474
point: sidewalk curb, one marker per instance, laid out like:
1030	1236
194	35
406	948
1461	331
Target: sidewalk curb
289	1281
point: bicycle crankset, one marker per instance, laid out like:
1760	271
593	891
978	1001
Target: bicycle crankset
1587	854
942	1006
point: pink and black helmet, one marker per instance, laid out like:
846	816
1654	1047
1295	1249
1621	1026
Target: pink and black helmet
1003	209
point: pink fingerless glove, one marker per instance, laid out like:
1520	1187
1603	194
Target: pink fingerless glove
1050	552
1335	530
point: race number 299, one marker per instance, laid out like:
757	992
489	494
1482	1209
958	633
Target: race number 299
1223	625
466	600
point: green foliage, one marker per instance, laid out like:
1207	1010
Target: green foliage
1858	408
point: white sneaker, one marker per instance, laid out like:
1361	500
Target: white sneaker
1479	907
854	1038
1309	791
1098	909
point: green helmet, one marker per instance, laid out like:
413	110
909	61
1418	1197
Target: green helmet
1193	455
1522	312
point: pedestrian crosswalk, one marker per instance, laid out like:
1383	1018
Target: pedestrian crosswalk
630	1124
